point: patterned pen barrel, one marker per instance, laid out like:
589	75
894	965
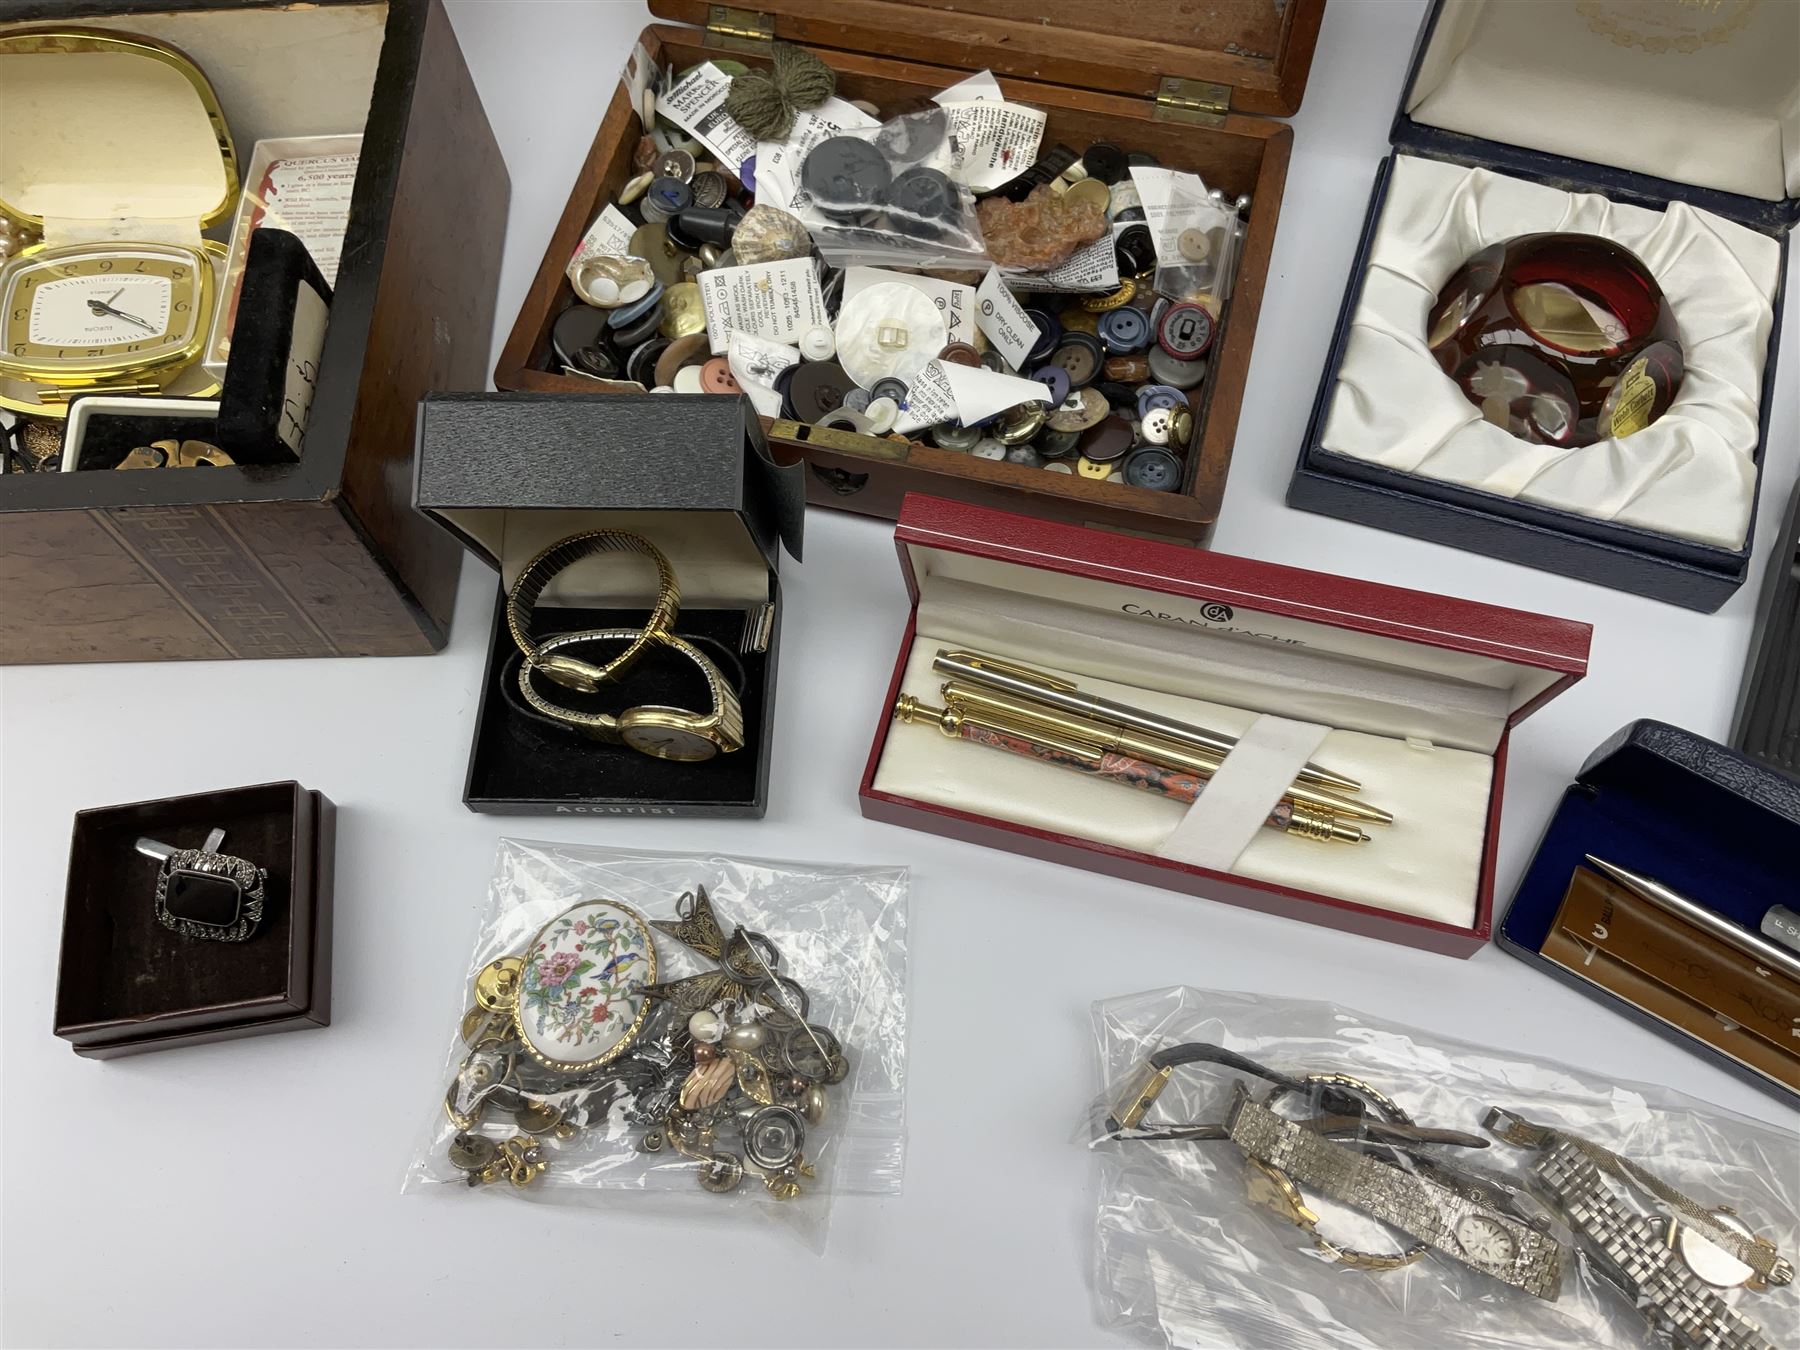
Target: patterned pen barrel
1084	757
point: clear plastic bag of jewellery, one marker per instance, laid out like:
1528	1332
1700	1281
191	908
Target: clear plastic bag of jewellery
713	1033
1334	1180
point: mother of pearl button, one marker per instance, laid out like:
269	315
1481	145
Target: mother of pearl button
581	992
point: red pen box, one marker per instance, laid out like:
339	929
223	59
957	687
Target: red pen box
1412	694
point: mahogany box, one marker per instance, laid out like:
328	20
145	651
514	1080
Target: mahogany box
127	985
1415	695
1198	86
323	557
690	473
1697	816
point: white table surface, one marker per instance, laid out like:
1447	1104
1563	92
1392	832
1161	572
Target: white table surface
248	1193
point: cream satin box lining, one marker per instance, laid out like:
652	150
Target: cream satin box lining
1692	474
1417	724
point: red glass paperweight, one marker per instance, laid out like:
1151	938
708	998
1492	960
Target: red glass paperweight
1562	339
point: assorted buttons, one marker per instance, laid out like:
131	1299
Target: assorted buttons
1119	368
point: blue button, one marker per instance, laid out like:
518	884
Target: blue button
1124	330
1159	396
1151	467
627	314
1056	380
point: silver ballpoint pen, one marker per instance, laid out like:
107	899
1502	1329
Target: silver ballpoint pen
1672	901
1056	692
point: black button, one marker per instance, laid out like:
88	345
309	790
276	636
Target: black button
707	225
641	364
846	177
1049	164
641	329
1049	330
202	897
1116	394
922	203
818	388
600	362
1134	249
784	380
577	327
1104	161
888	387
1152	467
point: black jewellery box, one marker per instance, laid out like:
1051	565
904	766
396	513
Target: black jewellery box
1660	107
1767	726
1696	816
511	474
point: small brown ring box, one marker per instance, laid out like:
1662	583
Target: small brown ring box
127	985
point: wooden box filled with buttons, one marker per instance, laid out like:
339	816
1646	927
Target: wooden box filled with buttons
1143	367
132	131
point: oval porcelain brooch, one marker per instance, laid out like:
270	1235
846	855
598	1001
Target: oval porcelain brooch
581	989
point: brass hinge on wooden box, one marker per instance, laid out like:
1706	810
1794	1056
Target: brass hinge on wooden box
1194	102
742	29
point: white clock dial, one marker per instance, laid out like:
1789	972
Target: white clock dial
98	311
1485	1240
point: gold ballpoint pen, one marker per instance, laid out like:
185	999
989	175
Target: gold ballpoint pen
1035	718
1063	695
999	732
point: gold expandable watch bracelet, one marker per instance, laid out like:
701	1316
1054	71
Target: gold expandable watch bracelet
583	676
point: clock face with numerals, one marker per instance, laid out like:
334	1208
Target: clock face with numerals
81	314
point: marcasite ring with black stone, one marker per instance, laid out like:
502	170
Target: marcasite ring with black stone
202	893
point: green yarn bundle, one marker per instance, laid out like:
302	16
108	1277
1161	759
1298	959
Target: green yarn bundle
764	102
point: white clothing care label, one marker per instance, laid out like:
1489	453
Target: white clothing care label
778	301
755	362
995	141
1094	267
609	237
1004	320
697	105
945	391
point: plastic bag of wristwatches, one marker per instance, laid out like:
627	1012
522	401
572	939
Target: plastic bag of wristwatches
728	1033
1340	1182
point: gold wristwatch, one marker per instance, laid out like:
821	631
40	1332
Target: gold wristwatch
567	671
651	729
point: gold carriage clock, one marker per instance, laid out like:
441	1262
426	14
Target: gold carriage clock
116	151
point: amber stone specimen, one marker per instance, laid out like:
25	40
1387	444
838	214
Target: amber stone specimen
1041	232
1562	339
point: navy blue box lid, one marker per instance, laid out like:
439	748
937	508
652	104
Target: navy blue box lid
1625	185
1696	815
